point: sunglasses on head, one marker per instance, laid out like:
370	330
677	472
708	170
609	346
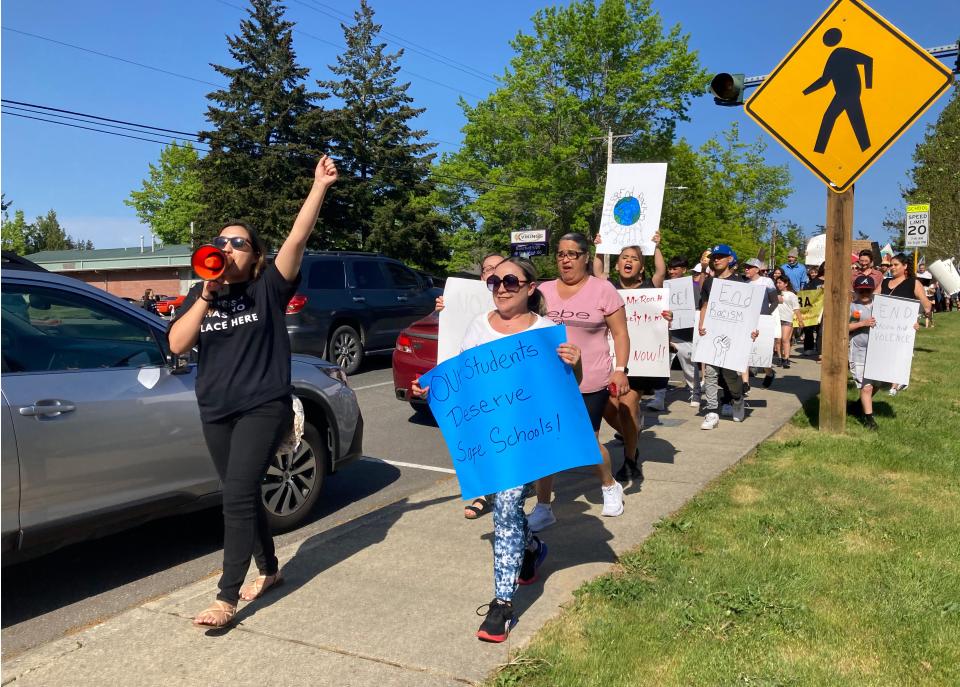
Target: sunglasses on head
511	283
236	242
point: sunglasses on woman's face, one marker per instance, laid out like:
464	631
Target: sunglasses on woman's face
236	242
511	283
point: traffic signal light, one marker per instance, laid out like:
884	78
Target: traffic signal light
727	89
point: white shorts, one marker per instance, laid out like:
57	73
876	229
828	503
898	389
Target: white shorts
856	369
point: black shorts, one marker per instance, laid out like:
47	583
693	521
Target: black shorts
647	385
595	402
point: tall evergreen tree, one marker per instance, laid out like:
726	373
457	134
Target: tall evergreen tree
267	130
384	168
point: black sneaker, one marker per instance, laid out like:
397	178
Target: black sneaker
786	364
768	378
632	469
531	563
498	623
870	423
746	388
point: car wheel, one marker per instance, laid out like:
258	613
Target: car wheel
346	349
292	484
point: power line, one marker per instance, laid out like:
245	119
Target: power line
90	116
410	45
101	131
111	57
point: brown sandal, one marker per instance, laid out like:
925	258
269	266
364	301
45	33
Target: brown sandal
222	612
259	586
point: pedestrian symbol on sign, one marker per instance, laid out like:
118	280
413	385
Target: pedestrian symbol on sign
842	68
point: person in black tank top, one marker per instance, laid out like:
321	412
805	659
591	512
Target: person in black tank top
243	385
904	285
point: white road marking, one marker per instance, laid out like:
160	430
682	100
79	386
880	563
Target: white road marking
372	386
398	464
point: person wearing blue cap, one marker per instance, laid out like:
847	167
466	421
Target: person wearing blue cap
722	260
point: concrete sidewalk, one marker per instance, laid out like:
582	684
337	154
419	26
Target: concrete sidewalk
389	598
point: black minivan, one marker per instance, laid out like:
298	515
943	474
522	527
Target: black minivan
350	304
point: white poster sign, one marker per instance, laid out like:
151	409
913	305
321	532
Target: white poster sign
733	313
761	351
631	207
945	273
463	300
816	250
649	332
917	229
890	346
683	302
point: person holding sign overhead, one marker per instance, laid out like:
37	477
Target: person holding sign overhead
623	412
517	553
590	308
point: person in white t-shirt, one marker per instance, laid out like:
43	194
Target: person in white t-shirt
517	552
789	304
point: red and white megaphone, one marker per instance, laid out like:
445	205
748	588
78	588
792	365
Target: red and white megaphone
208	262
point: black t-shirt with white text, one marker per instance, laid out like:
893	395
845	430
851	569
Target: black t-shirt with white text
244	348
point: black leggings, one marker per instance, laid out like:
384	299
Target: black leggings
241	447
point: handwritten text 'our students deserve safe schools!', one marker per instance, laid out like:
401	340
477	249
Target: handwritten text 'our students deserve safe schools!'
510	412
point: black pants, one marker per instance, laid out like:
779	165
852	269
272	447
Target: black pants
241	446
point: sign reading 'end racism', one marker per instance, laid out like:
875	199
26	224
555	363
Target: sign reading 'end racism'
510	412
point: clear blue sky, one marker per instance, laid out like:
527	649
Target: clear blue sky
86	176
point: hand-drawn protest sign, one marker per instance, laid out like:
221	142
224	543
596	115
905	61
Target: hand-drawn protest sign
683	303
761	352
811	308
631	207
463	300
733	313
890	346
649	332
511	412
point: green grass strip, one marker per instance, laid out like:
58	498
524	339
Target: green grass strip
818	560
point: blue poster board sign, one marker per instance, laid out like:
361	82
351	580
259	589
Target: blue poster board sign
511	412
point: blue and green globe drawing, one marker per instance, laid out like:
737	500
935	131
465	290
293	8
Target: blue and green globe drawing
627	211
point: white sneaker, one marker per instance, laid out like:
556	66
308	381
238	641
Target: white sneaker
726	410
739	410
612	500
710	421
694	401
892	392
541	517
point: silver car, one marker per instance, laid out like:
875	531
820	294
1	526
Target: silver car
100	426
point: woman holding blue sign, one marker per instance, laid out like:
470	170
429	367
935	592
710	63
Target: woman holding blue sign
517	553
590	308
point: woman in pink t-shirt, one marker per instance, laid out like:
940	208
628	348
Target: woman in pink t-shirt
589	307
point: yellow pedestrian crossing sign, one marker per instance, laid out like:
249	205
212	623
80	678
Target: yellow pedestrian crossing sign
851	86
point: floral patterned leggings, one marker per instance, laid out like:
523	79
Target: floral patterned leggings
511	537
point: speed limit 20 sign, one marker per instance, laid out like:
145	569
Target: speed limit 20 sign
918	226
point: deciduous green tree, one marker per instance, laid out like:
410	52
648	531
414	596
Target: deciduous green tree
384	166
16	232
935	179
536	146
267	133
169	198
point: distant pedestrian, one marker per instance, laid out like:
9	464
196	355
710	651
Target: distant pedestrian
789	306
861	321
796	271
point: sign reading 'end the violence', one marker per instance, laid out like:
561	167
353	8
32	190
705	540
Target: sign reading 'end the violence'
510	412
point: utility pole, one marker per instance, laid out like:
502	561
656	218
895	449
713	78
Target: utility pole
836	312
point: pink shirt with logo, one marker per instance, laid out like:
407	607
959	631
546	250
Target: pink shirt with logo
585	314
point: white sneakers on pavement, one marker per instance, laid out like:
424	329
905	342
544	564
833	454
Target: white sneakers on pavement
541	517
710	421
613	500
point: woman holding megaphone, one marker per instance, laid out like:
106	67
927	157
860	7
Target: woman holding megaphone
235	317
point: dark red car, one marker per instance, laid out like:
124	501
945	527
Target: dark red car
415	353
168	304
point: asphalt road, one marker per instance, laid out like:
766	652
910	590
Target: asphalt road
46	598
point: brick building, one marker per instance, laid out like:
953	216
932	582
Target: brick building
124	272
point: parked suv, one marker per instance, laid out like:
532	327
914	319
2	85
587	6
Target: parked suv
352	304
100	425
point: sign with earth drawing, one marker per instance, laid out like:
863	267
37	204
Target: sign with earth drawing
631	207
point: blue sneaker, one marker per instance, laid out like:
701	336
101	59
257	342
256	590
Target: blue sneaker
531	563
